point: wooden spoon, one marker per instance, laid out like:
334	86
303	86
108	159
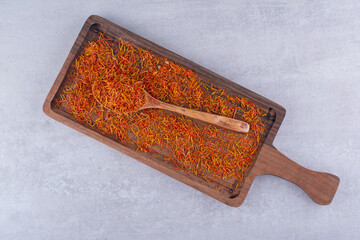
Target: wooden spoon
225	122
151	102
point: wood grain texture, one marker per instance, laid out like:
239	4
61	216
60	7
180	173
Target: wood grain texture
321	187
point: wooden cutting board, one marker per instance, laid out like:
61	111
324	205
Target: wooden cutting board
321	187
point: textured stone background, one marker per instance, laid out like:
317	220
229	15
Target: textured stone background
56	183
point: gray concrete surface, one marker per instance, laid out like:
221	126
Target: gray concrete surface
56	183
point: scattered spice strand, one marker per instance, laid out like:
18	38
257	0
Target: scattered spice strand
201	149
120	95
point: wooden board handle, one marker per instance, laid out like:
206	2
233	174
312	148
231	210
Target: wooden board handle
320	186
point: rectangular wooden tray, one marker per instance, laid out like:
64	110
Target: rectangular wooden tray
224	191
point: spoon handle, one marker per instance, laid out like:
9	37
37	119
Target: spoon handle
225	122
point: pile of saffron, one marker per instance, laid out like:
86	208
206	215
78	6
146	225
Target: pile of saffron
120	95
208	151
